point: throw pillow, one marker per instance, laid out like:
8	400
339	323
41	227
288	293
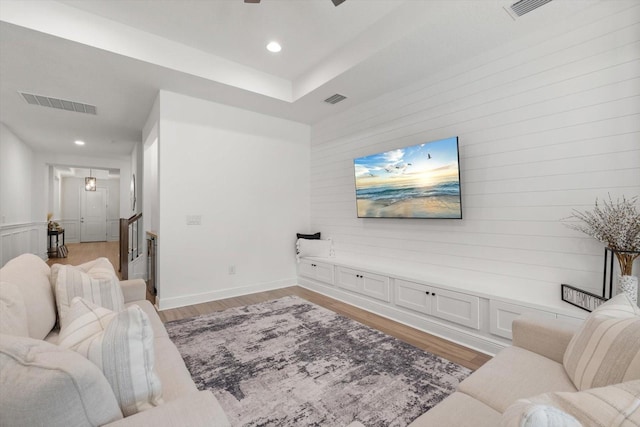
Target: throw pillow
100	287
528	414
42	384
605	349
13	312
30	274
99	268
319	248
121	345
615	405
314	236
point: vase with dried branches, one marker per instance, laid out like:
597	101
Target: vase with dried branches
617	225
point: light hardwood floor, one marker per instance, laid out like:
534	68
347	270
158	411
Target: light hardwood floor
83	252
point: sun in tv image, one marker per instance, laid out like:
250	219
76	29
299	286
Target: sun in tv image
421	181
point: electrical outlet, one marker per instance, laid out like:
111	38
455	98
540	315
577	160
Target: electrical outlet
232	269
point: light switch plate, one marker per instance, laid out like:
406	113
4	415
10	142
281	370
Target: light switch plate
194	219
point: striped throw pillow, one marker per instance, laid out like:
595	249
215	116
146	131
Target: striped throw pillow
121	345
606	349
100	287
615	405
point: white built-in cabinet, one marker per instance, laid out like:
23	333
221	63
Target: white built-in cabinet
369	284
316	270
456	307
476	320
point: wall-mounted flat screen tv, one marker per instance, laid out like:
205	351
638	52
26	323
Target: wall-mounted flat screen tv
421	181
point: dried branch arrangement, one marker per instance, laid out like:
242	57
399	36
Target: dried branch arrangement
617	225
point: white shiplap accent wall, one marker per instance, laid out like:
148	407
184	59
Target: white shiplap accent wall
545	125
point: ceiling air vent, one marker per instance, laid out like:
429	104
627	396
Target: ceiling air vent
524	6
334	99
60	104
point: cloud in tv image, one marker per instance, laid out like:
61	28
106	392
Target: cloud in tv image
421	181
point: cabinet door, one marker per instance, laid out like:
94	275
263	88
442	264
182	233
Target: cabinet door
369	284
306	269
324	272
316	270
413	296
375	286
456	307
348	279
502	314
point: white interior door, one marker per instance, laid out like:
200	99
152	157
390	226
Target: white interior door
93	215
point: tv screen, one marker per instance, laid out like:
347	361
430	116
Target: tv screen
421	181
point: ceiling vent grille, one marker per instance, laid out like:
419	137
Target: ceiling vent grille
334	99
60	104
524	6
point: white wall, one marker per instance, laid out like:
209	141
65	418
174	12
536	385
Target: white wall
16	162
247	176
546	125
19	232
150	136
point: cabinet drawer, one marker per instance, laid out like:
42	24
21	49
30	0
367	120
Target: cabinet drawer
502	314
456	307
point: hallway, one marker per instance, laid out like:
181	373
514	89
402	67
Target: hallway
82	252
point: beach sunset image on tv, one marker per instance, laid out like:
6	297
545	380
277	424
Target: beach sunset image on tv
421	181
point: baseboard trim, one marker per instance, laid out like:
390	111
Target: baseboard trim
422	323
185	300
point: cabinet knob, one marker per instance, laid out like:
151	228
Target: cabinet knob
427	293
434	294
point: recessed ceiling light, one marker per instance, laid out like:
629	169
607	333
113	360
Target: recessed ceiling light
78	142
274	47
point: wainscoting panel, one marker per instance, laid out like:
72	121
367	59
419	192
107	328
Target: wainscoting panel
71	230
113	225
545	125
18	239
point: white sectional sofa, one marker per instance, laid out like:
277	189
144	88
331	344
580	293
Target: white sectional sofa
533	382
42	384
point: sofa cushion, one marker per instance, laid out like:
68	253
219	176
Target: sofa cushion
174	376
529	414
99	267
121	345
13	312
513	374
45	385
97	286
30	275
459	410
615	405
606	349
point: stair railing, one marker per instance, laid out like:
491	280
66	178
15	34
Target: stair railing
130	246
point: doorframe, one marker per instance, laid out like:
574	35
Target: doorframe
106	212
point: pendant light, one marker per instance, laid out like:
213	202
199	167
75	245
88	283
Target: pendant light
90	182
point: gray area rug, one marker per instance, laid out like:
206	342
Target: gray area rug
289	362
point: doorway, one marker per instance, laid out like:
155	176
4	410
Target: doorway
93	215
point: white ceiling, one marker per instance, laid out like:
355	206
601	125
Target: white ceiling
116	55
